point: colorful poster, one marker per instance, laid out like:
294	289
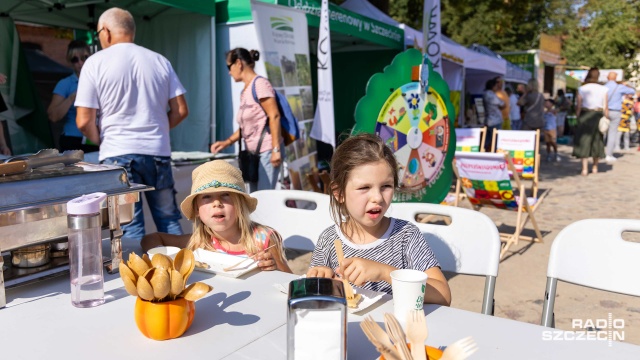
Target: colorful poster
521	146
468	139
485	179
283	36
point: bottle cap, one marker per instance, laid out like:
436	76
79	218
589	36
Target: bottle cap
86	204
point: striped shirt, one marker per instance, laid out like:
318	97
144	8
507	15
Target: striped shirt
402	246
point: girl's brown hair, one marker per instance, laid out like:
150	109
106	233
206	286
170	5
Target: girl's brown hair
247	57
355	151
592	76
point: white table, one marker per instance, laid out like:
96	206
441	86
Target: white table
39	321
497	338
244	319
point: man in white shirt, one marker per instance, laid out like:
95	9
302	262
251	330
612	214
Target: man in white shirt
133	87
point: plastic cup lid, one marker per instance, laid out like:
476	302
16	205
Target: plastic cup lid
86	204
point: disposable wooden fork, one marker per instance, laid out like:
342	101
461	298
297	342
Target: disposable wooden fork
352	300
387	350
252	257
460	349
397	336
417	333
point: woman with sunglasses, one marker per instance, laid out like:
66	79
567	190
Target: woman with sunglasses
259	120
64	95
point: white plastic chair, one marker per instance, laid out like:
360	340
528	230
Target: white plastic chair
592	253
469	245
299	227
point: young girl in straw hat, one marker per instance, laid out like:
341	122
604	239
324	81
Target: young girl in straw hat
219	208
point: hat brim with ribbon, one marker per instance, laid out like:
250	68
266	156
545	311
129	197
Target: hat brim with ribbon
212	177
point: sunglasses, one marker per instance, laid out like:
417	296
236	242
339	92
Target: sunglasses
75	59
229	66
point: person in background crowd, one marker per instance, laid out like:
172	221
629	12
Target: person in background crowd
625	122
533	104
550	127
562	107
502	95
514	110
4	149
64	95
591	105
255	117
492	108
615	92
133	87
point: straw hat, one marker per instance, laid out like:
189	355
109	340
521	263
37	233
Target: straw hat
212	177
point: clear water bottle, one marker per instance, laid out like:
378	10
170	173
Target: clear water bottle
85	250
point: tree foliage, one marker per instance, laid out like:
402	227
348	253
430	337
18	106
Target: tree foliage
603	33
607	35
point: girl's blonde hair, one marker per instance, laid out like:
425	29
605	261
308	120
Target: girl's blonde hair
201	237
355	151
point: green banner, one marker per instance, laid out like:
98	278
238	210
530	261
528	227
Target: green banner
524	60
346	22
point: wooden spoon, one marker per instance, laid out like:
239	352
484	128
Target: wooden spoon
162	261
184	262
130	285
161	283
177	284
126	272
137	265
145	290
195	291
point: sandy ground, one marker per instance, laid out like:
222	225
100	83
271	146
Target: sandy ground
612	193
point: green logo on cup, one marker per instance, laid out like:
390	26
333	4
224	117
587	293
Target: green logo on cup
423	288
419	302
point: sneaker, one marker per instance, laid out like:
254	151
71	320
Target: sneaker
549	158
610	159
558	158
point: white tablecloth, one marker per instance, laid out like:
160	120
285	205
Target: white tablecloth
39	321
497	338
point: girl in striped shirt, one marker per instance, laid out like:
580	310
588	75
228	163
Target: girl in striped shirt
363	179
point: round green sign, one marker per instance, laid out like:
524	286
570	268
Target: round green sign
419	132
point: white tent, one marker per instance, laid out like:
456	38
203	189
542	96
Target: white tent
464	70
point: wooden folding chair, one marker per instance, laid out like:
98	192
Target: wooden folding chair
470	139
523	148
467	140
485	179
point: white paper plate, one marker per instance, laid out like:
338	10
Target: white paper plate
170	251
218	261
369	297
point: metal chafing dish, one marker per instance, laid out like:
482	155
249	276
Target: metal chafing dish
33	212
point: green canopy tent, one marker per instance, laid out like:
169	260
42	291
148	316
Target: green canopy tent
360	48
183	31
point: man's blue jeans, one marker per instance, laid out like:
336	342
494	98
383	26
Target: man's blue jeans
153	171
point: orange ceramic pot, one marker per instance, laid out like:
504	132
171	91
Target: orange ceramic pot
164	320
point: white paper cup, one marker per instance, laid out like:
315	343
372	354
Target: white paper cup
408	291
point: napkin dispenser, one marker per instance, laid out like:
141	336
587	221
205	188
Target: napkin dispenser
317	320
